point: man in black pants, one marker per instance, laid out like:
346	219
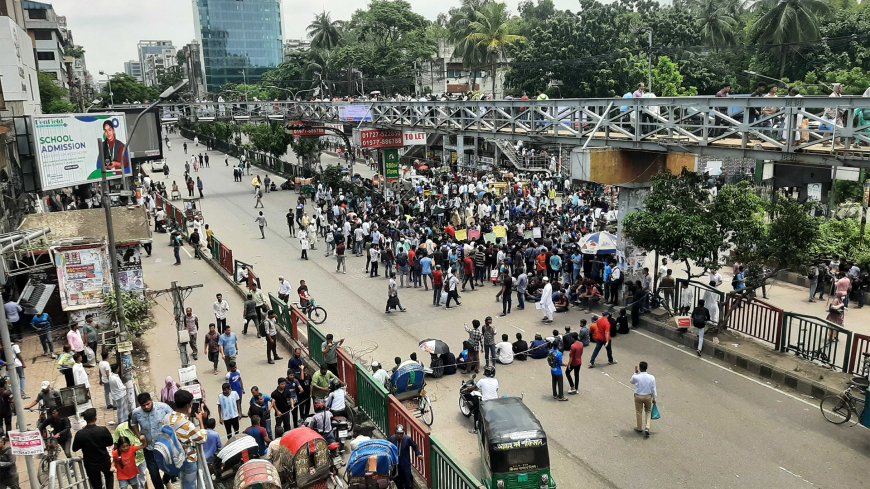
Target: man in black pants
93	440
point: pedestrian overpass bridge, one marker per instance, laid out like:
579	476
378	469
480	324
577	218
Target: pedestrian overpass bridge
829	131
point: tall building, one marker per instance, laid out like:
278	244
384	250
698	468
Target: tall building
154	58
192	69
133	68
49	41
81	84
18	81
240	39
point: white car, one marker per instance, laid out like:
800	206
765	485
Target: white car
157	166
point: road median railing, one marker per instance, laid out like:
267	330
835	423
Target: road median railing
698	291
446	473
754	318
372	398
859	364
419	432
316	339
816	340
347	373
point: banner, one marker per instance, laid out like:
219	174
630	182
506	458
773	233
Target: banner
500	231
380	138
26	442
355	113
81	276
461	235
391	164
414	138
67	152
300	130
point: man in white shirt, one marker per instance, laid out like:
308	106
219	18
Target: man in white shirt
504	351
105	374
488	385
644	397
220	308
379	374
284	289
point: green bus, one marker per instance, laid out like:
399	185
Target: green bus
513	446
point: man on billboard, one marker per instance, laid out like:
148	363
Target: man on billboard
115	151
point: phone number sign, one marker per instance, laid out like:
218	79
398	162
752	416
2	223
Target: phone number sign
381	138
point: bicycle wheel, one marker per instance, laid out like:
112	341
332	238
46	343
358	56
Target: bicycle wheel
317	315
426	414
42	473
835	409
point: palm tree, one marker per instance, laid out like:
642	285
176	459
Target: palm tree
492	30
324	32
458	30
717	24
788	24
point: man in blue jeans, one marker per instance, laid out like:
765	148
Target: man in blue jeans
146	422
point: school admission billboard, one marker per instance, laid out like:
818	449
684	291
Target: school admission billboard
67	151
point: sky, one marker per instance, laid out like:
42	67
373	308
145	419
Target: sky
110	29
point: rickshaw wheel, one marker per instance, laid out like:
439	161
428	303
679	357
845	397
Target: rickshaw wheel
426	414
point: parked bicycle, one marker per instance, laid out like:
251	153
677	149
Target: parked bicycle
52	453
839	409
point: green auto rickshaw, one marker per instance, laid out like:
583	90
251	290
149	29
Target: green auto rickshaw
513	446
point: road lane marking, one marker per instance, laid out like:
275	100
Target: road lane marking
188	253
796	475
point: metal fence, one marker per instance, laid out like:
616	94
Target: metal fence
316	339
859	361
67	474
816	340
694	291
347	373
418	432
372	398
446	473
755	318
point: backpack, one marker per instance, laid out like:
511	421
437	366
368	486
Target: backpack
551	359
169	453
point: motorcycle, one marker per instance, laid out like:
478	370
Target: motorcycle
467	392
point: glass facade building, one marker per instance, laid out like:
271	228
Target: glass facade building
240	39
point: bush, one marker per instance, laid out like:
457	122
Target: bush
136	314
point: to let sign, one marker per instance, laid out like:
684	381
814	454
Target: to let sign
414	138
380	138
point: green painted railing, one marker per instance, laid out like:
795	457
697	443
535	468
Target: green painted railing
282	313
446	473
372	398
215	249
316	339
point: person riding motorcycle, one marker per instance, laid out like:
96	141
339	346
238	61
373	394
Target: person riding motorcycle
484	390
336	400
321	422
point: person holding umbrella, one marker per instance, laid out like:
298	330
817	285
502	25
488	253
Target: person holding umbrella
435	348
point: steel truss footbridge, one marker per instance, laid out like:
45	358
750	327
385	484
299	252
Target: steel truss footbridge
829	131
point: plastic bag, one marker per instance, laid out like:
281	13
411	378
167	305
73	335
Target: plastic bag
89	355
443	299
655	414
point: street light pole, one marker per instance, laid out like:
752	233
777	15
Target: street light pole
111	95
649	63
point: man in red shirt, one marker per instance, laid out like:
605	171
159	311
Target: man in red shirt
601	337
575	360
468	272
437	284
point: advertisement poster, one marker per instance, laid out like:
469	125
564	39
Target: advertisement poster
67	151
355	113
380	138
414	138
26	442
130	269
81	276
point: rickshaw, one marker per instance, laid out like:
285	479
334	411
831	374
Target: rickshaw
513	446
257	474
408	385
372	465
236	453
305	461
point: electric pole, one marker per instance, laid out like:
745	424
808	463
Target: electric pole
179	293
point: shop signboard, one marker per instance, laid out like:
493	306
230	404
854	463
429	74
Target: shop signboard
414	138
355	113
391	164
380	138
67	151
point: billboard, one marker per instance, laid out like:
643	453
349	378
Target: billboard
380	138
67	152
81	276
355	113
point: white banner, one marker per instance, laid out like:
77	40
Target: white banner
414	138
26	442
187	375
67	151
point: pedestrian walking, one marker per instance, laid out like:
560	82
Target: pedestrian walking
546	304
146	422
196	242
205	160
557	378
228	410
451	288
270	327
105	370
120	399
302	235
393	301
229	345
191	323
185	147
291	222
700	316
407	448
602	337
258	195
644	397
93	441
42	324
221	308
261	223
506	293
375	258
212	346
176	247
340	258
199	185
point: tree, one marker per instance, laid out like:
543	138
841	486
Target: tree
668	81
269	137
324	32
786	25
55	99
128	90
718	26
493	30
471	53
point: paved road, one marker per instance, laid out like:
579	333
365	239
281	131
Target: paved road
719	428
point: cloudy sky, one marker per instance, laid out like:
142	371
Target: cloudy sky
110	29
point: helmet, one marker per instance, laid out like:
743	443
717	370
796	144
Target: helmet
489	371
334	384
